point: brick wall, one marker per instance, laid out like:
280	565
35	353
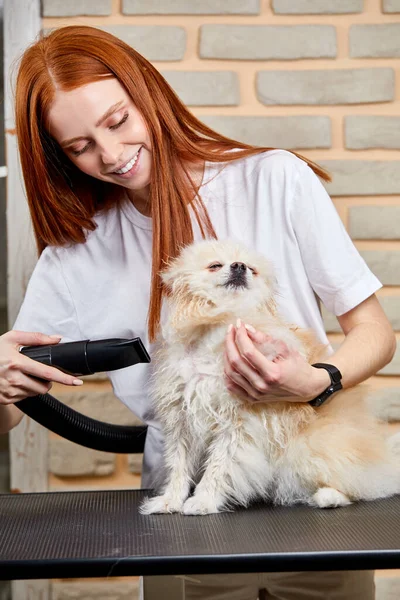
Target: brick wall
320	76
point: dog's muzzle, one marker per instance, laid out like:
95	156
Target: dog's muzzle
237	275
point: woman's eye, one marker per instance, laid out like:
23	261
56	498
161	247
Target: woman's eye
81	151
121	122
214	267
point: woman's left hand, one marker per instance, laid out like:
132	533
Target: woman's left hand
252	376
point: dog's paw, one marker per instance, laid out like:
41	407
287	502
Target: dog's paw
160	505
200	505
327	497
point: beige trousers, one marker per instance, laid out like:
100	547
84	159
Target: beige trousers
312	585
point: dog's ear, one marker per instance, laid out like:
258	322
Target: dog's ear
170	274
167	279
173	282
270	303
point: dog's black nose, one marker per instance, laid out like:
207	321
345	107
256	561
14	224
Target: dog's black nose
238	266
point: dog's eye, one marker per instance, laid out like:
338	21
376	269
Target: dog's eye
214	266
254	271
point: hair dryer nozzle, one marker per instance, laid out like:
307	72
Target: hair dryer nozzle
112	354
86	357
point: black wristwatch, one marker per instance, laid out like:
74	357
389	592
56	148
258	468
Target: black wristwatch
335	386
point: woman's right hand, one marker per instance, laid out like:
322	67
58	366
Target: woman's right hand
20	376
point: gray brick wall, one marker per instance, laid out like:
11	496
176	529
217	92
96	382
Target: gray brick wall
155	42
363	177
385	264
135	463
391	6
264	42
375	223
72	8
183	7
372	131
95	590
316	7
281	132
205	88
390	304
375	41
333	86
70	460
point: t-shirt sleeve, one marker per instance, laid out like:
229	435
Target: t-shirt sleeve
337	272
48	306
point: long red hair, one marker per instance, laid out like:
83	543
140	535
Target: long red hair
63	200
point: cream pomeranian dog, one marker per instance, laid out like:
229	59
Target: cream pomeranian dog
233	451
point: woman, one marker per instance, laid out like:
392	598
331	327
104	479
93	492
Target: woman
119	175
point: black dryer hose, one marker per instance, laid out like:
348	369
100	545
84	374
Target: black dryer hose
85	431
86	357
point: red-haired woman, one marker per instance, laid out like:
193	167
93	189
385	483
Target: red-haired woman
119	176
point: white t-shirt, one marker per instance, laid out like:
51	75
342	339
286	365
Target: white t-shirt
273	202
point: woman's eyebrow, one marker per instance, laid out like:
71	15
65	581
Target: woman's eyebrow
107	114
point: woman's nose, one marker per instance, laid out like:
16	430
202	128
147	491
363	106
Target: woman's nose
111	154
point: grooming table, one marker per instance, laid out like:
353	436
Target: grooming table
102	534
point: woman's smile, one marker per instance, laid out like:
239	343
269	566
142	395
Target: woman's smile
129	168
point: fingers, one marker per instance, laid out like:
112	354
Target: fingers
257	336
32	367
267	344
267	370
255	375
235	382
25	338
239	370
20	376
22	386
15	362
32	386
237	390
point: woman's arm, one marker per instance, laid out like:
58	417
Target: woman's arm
368	346
10	416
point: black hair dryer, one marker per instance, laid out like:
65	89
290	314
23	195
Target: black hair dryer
86	357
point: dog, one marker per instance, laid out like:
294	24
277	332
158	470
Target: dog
233	451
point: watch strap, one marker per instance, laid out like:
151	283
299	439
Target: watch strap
335	385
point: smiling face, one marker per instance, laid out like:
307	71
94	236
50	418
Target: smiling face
223	273
103	134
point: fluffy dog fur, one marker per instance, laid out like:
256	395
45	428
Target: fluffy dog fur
234	451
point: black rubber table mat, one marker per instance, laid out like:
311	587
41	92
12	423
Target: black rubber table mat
101	533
